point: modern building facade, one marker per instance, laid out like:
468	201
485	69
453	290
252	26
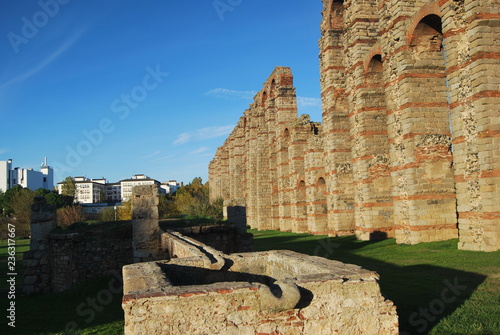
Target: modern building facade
136	180
28	178
169	187
92	191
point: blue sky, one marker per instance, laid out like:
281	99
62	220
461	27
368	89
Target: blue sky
114	88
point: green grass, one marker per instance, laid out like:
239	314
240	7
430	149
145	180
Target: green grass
84	309
22	245
416	278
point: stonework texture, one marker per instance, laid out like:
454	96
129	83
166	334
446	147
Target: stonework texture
409	143
275	292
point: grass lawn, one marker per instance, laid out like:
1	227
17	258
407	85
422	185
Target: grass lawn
437	289
90	308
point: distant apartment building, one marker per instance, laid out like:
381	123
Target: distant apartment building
28	178
92	191
170	186
88	191
114	192
136	180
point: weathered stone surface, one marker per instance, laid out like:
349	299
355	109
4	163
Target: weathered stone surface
146	235
277	291
409	136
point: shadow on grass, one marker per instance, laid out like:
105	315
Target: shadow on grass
424	294
90	308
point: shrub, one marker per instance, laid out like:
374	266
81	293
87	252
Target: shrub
69	215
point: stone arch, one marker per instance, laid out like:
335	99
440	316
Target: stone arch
264	98
431	9
428	34
334	13
272	90
374	71
376	50
286	136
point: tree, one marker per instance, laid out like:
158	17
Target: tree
194	200
21	204
69	187
124	212
69	215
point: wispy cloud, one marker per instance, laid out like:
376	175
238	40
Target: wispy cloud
3	151
183	138
199	151
162	158
203	134
152	154
224	93
47	61
309	102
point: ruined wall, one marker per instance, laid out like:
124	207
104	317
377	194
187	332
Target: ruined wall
70	259
409	142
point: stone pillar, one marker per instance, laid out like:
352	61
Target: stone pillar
36	262
235	212
146	237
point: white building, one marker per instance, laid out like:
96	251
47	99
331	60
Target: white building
27	178
92	191
138	179
88	191
170	186
114	192
6	175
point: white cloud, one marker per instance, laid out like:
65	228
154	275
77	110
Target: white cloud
3	151
182	139
203	134
199	151
224	93
47	61
311	102
152	154
162	158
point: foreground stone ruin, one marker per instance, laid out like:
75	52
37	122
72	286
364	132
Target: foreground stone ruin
409	143
275	292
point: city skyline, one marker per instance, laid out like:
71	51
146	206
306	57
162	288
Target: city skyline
104	89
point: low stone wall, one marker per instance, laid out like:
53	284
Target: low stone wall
228	239
276	292
65	260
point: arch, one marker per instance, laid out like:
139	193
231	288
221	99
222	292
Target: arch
374	51
321	182
272	92
334	13
428	34
286	135
432	8
264	98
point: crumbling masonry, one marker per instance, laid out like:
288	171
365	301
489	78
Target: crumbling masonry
409	144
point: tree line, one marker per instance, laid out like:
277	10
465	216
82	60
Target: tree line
191	200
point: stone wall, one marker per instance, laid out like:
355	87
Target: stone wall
408	146
228	239
66	260
275	292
